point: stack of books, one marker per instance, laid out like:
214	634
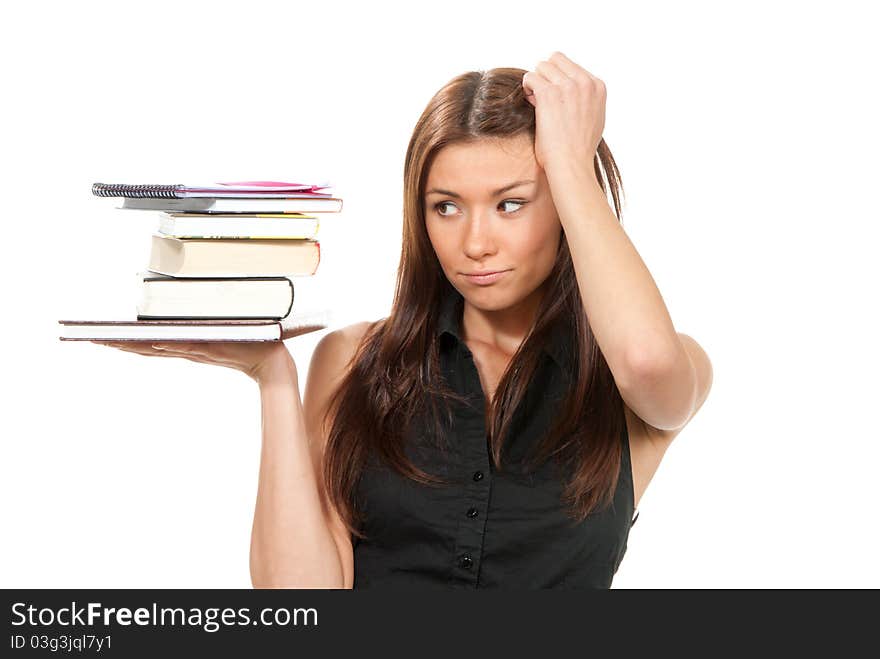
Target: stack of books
224	263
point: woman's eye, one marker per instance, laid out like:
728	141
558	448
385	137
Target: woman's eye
511	201
438	206
519	204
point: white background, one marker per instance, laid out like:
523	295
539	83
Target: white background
746	138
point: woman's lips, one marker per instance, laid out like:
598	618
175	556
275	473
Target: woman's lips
485	280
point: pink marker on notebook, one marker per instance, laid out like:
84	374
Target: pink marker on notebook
273	184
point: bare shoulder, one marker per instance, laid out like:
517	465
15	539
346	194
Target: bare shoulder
354	333
333	353
329	364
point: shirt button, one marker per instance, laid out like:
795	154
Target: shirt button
478	475
472	512
465	561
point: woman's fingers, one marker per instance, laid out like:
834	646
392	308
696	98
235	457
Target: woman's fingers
180	348
242	356
552	72
132	346
145	348
204	353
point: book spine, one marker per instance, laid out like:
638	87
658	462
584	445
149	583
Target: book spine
292	296
137	191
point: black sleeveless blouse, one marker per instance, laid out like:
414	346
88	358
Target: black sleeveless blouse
490	529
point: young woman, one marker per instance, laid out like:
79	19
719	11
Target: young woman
499	427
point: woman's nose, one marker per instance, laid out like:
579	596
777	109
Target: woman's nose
479	239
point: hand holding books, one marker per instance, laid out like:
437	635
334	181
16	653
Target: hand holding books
262	362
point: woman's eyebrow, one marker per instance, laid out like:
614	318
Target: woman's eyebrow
450	193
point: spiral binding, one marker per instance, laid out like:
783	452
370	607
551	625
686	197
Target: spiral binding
137	191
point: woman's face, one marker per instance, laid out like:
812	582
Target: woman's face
475	228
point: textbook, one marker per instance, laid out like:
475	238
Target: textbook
290	203
164	297
300	322
233	258
239	225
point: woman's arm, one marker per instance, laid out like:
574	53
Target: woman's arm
297	541
656	375
653	370
292	545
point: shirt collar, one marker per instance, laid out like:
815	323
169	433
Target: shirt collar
449	318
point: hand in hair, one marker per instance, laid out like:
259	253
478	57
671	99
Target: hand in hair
569	113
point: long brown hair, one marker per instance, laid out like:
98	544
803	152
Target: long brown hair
394	375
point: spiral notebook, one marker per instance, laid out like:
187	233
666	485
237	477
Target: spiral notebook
248	189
